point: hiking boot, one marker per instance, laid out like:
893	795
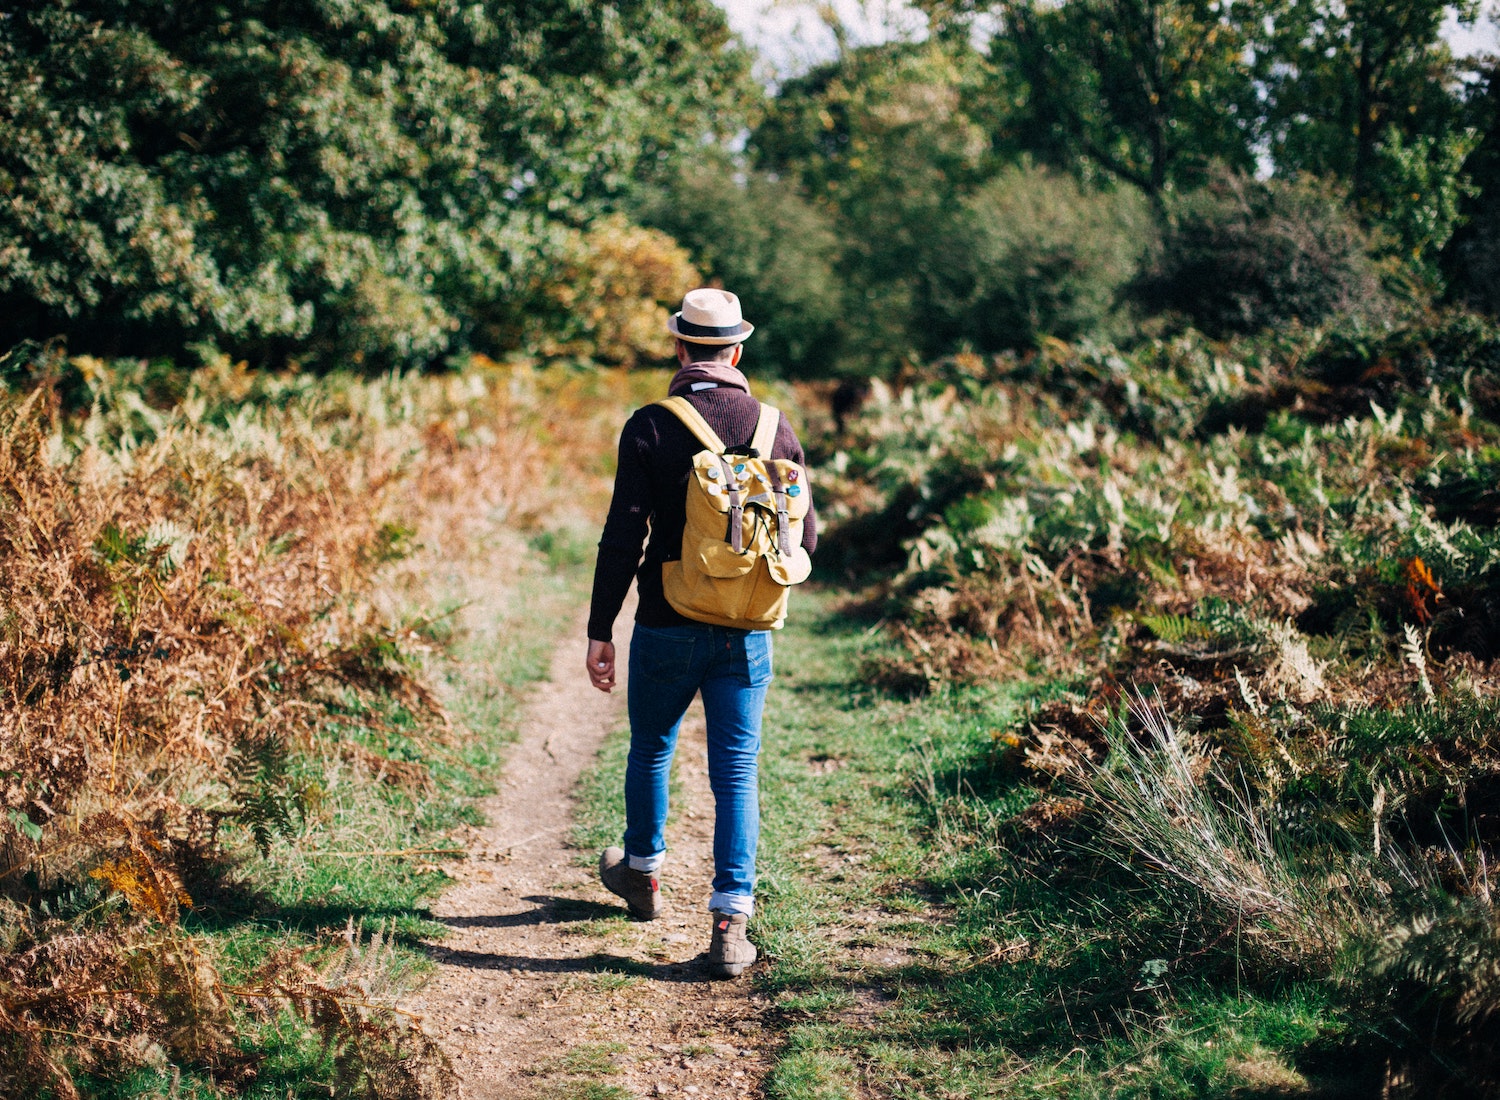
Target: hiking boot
642	893
730	951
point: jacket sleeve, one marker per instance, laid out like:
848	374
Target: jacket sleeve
789	446
625	530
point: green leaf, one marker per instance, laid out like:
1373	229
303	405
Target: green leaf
25	826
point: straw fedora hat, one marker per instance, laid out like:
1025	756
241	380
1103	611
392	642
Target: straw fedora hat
709	316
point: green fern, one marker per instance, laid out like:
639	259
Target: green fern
265	799
1453	953
1228	622
1175	629
1214	621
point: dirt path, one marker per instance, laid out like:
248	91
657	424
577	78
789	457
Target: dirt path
544	988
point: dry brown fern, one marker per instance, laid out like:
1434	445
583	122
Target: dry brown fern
185	594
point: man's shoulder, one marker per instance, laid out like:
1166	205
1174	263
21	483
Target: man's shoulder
647	416
710	404
727	411
650	426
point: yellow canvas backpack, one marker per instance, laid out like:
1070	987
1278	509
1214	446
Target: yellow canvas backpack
742	543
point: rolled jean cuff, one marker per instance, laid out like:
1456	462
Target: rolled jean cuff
647	864
732	903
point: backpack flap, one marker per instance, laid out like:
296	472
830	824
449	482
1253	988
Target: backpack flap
710	512
793	479
707	534
793	568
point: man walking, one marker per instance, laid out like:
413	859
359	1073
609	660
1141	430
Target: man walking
672	657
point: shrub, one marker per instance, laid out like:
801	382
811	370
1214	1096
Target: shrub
1037	254
334	184
1310	597
1470	259
195	611
761	239
1241	255
1473	262
1447	964
608	296
1455	350
1198	831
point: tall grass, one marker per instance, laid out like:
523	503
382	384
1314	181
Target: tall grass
1167	808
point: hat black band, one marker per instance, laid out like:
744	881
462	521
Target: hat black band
687	328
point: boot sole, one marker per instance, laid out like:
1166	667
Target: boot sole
729	969
632	910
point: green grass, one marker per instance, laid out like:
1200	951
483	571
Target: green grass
919	948
816	1002
586	1060
923	944
586	1090
599	815
805	1071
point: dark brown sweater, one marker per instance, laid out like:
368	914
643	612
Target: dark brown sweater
656	457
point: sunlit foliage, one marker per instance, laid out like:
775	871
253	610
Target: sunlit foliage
362	184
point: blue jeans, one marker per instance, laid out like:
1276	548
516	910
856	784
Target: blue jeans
732	668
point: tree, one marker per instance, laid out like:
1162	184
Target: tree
1364	92
1151	92
1037	254
1339	74
1242	255
1471	256
329	180
762	239
886	141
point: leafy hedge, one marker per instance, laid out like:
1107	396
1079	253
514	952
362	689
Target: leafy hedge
1242	255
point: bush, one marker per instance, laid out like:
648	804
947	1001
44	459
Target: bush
201	575
607	298
760	238
1037	254
1473	262
884	142
1470	259
1447	349
1242	255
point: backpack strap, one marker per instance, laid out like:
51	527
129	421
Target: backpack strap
736	531
783	522
764	442
683	409
765	430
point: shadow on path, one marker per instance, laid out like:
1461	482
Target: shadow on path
549	910
693	970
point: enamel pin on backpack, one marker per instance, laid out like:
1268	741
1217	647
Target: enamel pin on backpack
742	543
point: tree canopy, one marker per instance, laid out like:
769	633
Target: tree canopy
324	180
372	183
1149	91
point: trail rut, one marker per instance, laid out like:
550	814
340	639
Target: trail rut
543	987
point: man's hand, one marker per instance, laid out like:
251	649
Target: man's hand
601	662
